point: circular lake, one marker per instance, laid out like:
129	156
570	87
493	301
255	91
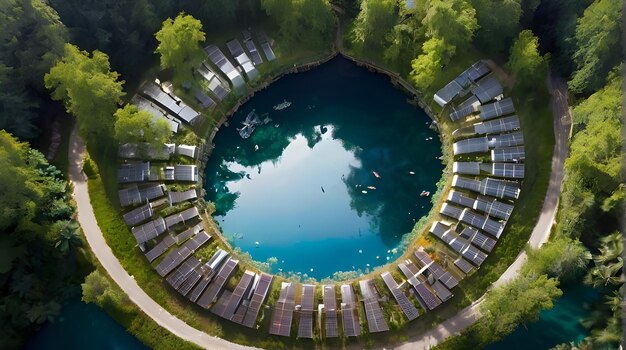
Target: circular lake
331	177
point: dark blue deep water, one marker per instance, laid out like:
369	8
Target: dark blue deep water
299	184
84	326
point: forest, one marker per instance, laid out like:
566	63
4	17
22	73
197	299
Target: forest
84	58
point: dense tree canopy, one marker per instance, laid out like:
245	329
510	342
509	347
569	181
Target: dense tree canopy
597	45
179	44
498	21
36	236
563	258
374	22
454	21
88	88
525	61
133	125
302	21
426	66
17	107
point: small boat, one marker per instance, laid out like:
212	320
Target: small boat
412	172
376	174
425	194
371	187
282	105
256	147
364	192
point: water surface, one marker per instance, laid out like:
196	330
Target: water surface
303	185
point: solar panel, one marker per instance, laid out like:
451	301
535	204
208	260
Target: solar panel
474	255
506	170
203	99
177	197
497	109
217	285
305	325
478	239
497	125
499	188
510	154
493	207
435	269
374	314
149	230
233	300
217	57
188	233
461	199
405	304
330	311
506	140
463	265
186	173
257	300
177	256
462	112
170	102
349	316
492	227
487	89
426	297
160	248
442	292
157	112
450	210
447	93
438	229
465	183
282	313
467	168
235	47
477	71
265	45
254	53
138	215
181	217
178	276
219	88
191	281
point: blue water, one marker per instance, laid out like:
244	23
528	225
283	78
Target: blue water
297	189
561	324
83	326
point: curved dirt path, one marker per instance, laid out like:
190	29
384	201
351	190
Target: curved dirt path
541	232
98	245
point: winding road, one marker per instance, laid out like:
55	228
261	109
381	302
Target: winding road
450	327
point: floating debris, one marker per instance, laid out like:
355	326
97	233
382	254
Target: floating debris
323	189
377	257
412	172
368	265
360	251
425	194
376	174
364	192
311	269
282	105
371	187
387	258
394	251
257	243
256	147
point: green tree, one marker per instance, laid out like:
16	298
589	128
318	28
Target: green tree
302	22
88	88
517	302
525	61
96	287
453	21
17	107
179	44
597	41
375	20
498	22
427	65
562	258
133	125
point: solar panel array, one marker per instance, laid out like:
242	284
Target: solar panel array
465	183
177	197
157	112
177	256
451	210
138	215
217	57
349	316
463	265
442	292
138	172
183	216
448	93
257	299
497	125
204	100
192	279
435	269
282	313
330	311
178	276
458	243
461	82
149	230
510	154
374	314
482	222
506	140
462	112
497	109
493	207
426	296
487	89
499	188
405	304
467	168
217	285
478	239
186	173
460	198
160	248
170	102
473	145
235	48
188	233
305	325
229	302
506	170
254	53
217	87
265	45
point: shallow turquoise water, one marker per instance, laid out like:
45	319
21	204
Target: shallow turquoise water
84	326
299	185
560	324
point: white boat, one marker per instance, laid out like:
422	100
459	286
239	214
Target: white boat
282	105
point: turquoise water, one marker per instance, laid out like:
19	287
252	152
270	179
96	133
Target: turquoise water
84	326
298	186
559	325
